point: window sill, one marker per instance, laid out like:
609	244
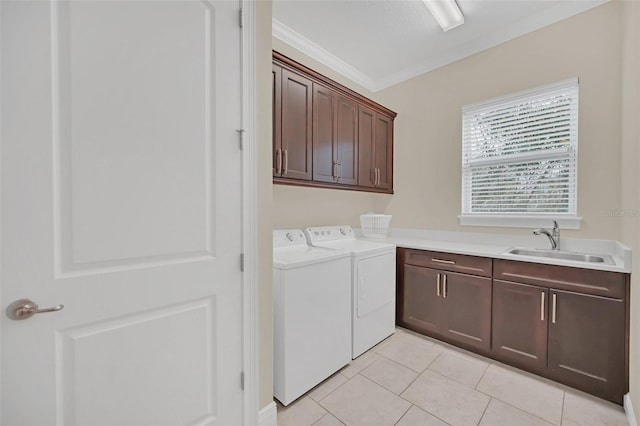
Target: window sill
572	222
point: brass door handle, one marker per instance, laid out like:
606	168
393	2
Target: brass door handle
22	309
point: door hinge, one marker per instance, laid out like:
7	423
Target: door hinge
241	136
240	17
241	262
242	380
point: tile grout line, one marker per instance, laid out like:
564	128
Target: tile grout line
564	397
484	411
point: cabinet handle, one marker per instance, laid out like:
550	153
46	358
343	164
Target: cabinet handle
377	176
334	172
448	262
278	161
553	308
438	285
339	170
286	162
444	286
542	306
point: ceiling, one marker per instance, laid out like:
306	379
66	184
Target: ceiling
379	43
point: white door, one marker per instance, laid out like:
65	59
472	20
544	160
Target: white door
121	200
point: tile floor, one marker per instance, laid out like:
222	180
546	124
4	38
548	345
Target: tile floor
411	380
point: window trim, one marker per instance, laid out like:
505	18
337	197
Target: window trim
503	219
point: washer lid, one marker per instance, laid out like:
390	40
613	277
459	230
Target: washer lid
297	256
357	246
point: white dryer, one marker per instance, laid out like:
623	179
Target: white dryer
373	283
311	311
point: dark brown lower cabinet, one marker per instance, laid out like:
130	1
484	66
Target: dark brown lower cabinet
519	331
587	343
568	324
452	306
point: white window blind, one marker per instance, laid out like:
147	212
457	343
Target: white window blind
519	153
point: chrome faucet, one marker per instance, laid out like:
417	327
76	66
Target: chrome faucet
554	236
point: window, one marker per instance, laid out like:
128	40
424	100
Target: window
519	158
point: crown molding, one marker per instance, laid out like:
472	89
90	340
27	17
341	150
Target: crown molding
309	48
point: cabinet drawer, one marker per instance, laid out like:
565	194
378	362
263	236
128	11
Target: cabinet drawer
472	265
588	281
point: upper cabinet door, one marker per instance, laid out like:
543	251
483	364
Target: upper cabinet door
367	175
296	125
277	119
325	158
347	140
375	145
384	151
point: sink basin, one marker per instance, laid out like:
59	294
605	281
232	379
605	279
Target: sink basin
563	255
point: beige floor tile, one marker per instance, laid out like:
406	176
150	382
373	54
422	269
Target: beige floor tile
417	417
410	351
328	420
523	391
585	410
359	364
446	399
460	367
303	412
499	414
363	402
328	386
390	374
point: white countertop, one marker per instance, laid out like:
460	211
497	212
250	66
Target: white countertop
496	246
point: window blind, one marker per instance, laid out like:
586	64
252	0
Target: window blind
519	153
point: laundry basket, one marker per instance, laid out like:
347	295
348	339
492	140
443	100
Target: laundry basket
375	225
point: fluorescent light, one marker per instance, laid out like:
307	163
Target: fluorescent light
446	12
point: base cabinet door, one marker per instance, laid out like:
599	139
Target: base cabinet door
456	307
587	342
421	299
519	332
466	315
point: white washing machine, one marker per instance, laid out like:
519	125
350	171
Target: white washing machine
312	313
373	282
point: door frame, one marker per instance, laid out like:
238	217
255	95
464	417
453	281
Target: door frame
249	212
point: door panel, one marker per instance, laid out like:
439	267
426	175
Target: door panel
347	140
383	151
467	309
520	318
296	125
583	324
366	148
324	133
376	283
422	304
276	107
121	199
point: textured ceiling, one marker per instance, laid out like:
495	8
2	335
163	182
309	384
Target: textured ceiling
378	43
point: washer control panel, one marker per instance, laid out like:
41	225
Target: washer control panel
329	233
288	237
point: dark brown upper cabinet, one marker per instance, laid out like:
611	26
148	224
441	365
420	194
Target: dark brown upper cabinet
319	138
335	132
375	139
292	117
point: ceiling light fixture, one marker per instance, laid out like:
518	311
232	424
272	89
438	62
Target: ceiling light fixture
446	12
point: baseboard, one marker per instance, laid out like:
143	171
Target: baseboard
268	415
628	409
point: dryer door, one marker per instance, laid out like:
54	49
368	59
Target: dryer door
376	285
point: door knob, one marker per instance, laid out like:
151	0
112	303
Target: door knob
25	308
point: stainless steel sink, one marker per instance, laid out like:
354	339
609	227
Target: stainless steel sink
564	255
